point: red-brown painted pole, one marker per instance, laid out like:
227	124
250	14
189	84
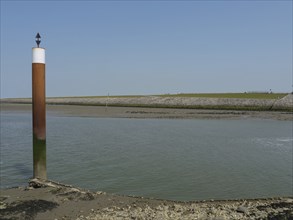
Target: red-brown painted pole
39	112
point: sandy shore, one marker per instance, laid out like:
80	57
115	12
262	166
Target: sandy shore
49	200
139	112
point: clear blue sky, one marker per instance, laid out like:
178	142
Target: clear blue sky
148	47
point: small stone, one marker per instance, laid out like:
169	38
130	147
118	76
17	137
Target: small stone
3	205
2	198
242	209
28	188
177	208
160	208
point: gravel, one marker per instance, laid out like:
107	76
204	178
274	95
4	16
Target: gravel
51	200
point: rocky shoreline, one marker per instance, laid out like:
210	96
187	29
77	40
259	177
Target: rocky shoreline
51	200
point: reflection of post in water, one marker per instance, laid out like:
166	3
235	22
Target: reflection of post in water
39	111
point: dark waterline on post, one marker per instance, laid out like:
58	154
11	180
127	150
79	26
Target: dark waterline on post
39	158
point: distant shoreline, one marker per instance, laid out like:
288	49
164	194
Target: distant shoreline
239	103
144	113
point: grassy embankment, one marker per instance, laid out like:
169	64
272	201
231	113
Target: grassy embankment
199	95
229	95
271	96
255	96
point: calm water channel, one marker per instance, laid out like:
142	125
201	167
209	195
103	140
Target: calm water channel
161	158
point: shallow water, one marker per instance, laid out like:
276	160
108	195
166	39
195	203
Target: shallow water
162	158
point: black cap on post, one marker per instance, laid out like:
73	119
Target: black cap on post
38	41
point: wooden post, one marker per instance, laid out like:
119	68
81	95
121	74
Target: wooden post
39	112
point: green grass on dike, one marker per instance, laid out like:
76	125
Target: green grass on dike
89	97
230	95
200	95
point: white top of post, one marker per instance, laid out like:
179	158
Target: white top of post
38	55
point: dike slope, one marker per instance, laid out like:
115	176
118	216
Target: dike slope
286	103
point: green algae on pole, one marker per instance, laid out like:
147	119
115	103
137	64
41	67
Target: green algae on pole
39	110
